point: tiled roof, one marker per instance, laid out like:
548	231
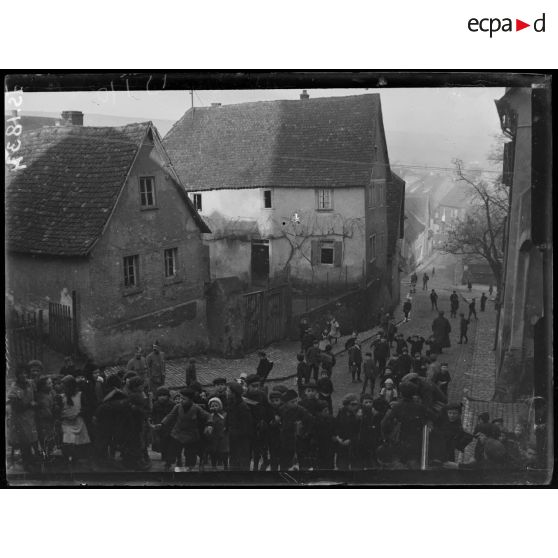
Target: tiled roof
395	210
413	227
322	142
60	203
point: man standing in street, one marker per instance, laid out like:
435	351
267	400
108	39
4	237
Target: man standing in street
434	299
425	279
463	324
313	359
155	368
454	304
407	308
138	364
472	310
483	300
441	329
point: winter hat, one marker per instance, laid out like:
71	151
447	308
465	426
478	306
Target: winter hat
235	388
252	379
388	382
216	400
454	407
281	389
160	391
289	395
349	398
219	382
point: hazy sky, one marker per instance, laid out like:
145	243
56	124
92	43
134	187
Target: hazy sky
451	120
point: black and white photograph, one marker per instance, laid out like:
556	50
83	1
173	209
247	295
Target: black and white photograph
278	279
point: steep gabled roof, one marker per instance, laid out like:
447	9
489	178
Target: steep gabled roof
413	227
322	142
60	204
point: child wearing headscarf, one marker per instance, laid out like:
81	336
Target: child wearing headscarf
218	441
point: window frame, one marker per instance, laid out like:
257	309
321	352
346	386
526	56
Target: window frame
270	192
135	270
152	205
319	199
173	252
197	197
327	245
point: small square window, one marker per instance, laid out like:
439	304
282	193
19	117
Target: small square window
325	199
131	271
326	252
267	199
197	200
170	262
147	191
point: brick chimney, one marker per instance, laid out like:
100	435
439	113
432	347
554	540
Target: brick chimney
304	95
71	118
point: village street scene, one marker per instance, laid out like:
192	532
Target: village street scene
278	281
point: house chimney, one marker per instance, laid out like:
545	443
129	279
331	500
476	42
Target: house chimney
304	95
71	118
215	105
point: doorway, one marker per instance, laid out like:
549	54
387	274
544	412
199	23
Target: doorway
260	261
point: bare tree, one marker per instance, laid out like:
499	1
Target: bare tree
482	231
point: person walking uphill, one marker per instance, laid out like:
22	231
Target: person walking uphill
407	305
483	300
454	304
434	300
425	279
441	329
463	325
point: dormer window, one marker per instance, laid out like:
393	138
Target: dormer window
197	200
147	192
267	200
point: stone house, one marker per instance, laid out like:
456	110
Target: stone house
100	211
293	188
524	336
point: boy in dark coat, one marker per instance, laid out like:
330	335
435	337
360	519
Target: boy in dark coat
264	366
186	421
483	300
325	389
419	364
370	373
296	422
369	438
442	378
454	304
324	436
328	360
448	435
274	429
405	363
240	427
347	429
416	343
220	391
313	358
355	362
380	349
400	343
407	306
463	325
303	371
260	409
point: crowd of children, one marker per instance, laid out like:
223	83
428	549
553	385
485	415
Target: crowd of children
113	420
